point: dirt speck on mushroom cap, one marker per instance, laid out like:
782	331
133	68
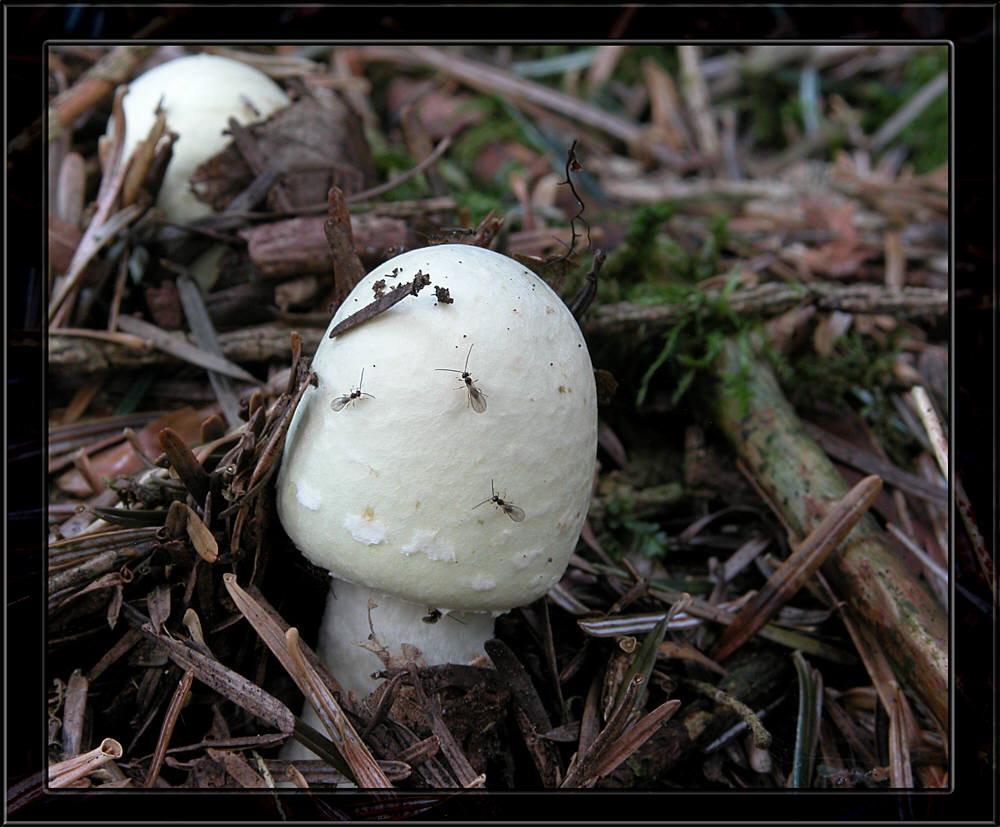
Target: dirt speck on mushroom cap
419	458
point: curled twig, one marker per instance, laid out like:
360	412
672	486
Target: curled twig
572	165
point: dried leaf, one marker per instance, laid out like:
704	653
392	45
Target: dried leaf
365	768
183	349
633	738
184	462
158	605
806	721
202	539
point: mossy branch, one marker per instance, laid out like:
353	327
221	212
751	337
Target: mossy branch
771	299
880	591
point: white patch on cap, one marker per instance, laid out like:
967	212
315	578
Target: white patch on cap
482	583
523	561
425	542
365	528
308	496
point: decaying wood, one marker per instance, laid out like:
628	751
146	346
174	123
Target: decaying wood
298	246
802	482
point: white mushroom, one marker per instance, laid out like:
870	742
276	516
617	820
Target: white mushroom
199	93
416	499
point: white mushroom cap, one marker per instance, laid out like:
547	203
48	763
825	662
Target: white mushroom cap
383	492
200	93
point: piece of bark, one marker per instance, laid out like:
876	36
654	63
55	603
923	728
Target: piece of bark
122	460
64	238
298	246
880	591
347	267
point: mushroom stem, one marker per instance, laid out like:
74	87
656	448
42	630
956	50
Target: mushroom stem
355	641
347	648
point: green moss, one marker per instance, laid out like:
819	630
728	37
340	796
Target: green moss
496	125
652	267
391	161
858	374
694	342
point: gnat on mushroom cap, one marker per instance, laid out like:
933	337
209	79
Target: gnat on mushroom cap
459	475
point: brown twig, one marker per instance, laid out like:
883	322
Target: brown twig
788	578
91	352
347	267
496	81
380	305
381	189
177	702
92	86
226	682
65	773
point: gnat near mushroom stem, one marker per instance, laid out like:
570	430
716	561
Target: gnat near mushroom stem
386	493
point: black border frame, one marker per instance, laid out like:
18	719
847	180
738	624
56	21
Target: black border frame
972	31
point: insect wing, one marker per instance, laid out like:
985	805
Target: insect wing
477	399
513	511
338	403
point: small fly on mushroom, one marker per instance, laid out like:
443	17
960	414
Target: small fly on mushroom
514	512
432	616
477	399
353	396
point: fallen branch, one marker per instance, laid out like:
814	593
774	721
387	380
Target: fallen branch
881	592
492	80
772	298
75	356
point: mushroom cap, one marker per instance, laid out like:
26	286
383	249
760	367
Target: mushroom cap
200	93
393	491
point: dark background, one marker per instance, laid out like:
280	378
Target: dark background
973	32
